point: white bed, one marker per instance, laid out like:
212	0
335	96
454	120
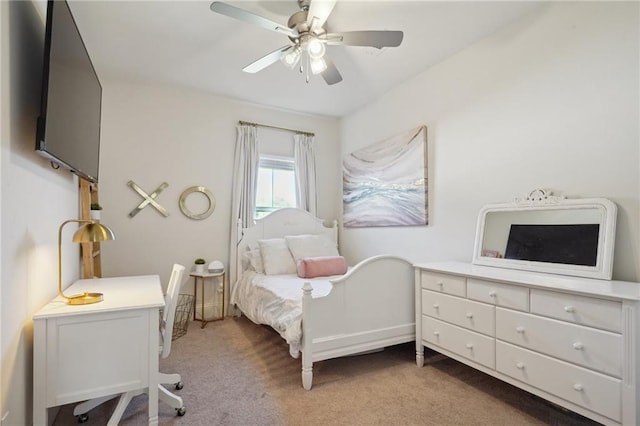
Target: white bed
370	307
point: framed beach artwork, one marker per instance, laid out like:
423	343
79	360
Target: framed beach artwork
385	184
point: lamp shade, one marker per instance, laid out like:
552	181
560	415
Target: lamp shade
292	57
93	232
315	48
318	65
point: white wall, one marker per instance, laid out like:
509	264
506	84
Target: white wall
154	134
551	102
35	200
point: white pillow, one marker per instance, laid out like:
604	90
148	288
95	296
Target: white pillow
276	257
307	245
253	258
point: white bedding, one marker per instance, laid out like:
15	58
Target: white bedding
276	300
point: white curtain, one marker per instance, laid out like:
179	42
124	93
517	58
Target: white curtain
245	178
305	166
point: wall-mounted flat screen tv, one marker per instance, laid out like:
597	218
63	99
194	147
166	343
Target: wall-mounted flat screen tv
567	244
68	130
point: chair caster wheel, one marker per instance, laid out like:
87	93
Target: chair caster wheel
181	411
179	385
83	418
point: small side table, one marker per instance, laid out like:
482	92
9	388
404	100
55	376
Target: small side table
203	276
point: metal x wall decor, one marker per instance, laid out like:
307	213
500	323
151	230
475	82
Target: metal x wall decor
148	199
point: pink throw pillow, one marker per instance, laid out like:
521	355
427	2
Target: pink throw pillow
312	267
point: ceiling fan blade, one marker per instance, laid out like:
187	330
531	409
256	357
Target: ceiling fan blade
266	60
377	39
319	11
331	75
243	15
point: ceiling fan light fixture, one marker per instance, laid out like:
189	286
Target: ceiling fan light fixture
291	58
308	38
317	65
315	48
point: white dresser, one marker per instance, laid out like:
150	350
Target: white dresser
571	340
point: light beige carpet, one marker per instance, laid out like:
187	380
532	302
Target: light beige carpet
239	373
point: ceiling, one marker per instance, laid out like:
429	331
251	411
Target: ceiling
184	43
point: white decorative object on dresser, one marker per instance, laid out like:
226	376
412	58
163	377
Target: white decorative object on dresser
569	339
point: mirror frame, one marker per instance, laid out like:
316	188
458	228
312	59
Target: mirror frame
543	200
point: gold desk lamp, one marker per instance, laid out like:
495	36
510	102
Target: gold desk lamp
90	232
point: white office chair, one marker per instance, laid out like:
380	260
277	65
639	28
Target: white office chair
166	331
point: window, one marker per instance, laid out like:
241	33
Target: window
276	185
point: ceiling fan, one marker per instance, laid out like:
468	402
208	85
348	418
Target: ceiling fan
308	38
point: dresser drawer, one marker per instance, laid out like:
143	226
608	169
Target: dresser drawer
443	283
595	349
476	316
508	296
473	346
586	388
589	311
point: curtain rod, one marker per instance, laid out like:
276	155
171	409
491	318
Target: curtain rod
276	127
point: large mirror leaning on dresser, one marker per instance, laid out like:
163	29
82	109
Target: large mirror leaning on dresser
542	232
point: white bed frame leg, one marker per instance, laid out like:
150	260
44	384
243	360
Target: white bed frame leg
307	378
307	338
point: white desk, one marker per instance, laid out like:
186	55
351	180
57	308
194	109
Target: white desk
87	351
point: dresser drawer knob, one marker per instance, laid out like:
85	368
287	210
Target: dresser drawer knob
578	346
469	315
520	366
436	306
569	309
520	329
436	333
578	387
440	284
469	345
493	293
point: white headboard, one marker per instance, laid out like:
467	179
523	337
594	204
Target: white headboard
287	221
